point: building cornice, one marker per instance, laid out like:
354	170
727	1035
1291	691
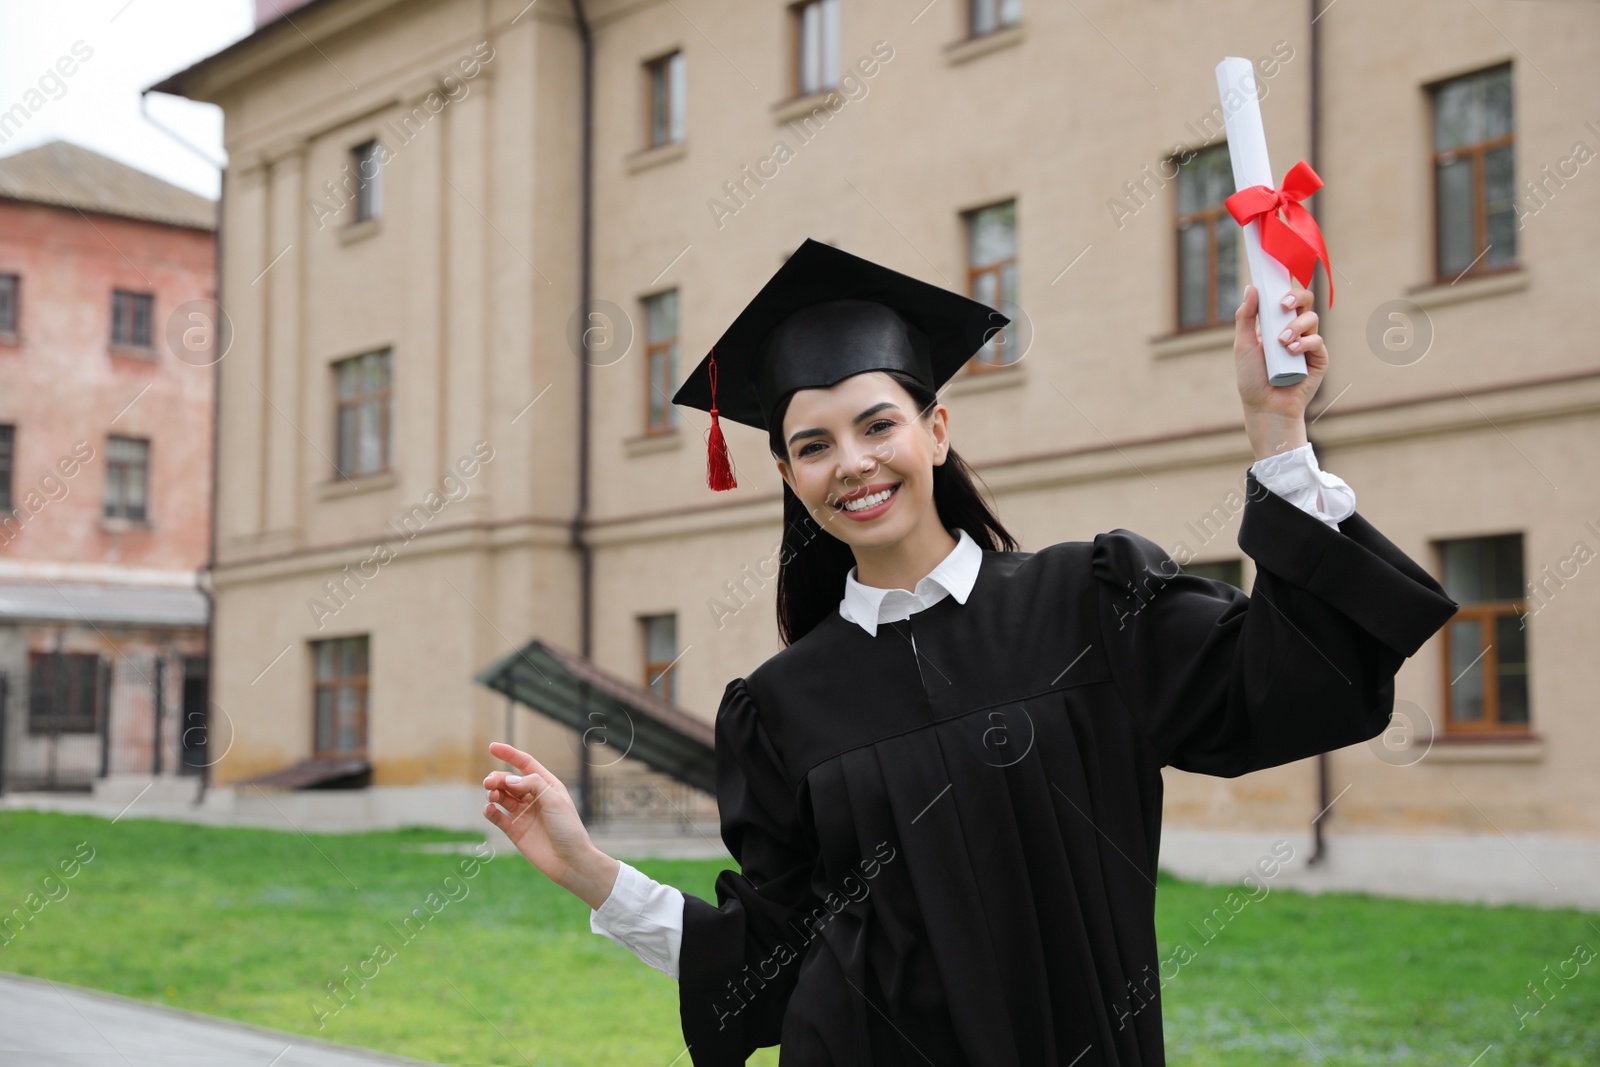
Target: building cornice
1490	406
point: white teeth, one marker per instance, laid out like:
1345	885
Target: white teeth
865	502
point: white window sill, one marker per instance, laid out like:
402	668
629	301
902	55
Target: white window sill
803	106
356	483
1471	750
984	380
1210	339
119	525
144	355
645	444
1438	294
993	41
646	158
360	231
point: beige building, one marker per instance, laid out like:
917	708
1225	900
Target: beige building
407	221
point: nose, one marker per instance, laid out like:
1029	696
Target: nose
853	465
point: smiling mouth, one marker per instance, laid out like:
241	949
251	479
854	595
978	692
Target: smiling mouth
869	501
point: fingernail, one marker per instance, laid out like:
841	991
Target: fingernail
1288	300
513	779
1286	335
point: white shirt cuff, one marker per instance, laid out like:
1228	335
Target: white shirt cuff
643	916
1295	476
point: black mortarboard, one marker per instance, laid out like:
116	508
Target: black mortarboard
824	316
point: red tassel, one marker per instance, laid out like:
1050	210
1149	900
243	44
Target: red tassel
719	468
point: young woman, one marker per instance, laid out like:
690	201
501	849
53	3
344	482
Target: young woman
944	793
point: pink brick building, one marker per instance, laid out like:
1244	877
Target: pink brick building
107	353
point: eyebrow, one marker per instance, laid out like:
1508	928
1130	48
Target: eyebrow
858	420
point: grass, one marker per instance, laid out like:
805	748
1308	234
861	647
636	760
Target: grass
252	924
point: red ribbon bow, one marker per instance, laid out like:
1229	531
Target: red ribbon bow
1294	240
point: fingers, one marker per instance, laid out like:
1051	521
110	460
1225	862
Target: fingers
498	817
1308	345
516	788
1298	299
521	760
526	791
1244	328
1300	327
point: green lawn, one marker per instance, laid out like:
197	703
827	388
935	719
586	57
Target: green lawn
252	924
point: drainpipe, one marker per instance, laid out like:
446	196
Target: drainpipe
208	569
203	576
1319	845
580	520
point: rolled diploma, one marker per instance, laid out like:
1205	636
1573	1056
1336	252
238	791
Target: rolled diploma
1247	149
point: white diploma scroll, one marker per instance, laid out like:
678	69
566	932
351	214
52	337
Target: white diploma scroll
1247	148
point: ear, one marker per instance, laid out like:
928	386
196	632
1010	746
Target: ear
939	424
785	473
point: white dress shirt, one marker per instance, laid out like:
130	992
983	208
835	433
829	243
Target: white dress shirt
646	917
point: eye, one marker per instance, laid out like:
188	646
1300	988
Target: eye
881	422
806	451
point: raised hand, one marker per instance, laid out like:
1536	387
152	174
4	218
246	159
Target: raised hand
537	814
1274	416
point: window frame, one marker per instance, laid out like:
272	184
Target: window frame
1211	216
384	397
119	299
797	48
361	683
1488	612
1480	192
667	669
37	726
367	204
10	280
116	474
977	364
675	86
658	349
1000	25
8	467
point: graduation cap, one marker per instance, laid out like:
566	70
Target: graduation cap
824	316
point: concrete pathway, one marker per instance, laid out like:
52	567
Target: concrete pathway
49	1024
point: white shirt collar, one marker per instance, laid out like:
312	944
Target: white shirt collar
868	605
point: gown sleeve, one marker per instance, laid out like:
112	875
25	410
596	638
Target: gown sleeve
734	979
1222	683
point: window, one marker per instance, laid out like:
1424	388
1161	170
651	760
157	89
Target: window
10	290
366	160
130	319
992	275
1222	570
664	81
816	46
363	416
127	478
661	361
1485	644
66	692
1473	167
660	651
1209	248
339	697
986	16
8	444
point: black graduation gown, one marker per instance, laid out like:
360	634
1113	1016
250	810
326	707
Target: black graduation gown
948	832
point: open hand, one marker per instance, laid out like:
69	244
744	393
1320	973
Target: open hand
1274	415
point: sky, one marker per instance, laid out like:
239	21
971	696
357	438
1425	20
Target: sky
130	45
